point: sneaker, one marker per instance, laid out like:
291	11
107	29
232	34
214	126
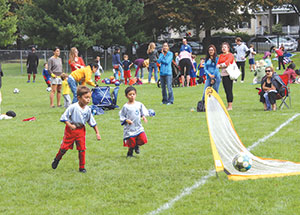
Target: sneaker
28	81
55	163
242	81
33	81
137	149
83	170
130	152
234	81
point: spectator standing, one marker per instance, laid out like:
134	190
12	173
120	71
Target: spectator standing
32	64
152	54
212	73
242	52
225	59
165	59
280	53
185	62
75	62
55	70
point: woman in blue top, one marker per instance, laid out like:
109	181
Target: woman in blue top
212	73
166	76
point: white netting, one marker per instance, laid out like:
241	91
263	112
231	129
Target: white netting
229	145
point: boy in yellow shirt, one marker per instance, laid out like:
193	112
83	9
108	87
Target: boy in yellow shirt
66	90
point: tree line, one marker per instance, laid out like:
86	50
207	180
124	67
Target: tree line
84	23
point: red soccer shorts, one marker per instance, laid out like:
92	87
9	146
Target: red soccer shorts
74	136
140	139
127	74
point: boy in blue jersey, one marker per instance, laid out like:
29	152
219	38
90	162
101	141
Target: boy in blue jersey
75	118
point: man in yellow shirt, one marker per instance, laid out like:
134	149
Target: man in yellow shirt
83	76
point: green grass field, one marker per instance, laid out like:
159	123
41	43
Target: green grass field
177	155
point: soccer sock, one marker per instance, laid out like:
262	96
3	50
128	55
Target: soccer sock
125	81
81	155
60	153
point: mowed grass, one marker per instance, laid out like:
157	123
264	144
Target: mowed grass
177	155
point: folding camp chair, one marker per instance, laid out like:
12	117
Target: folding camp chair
287	95
102	97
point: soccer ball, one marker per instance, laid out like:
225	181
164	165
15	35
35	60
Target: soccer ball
117	83
242	162
16	90
48	89
151	112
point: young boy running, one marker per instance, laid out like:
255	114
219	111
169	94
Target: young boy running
130	117
75	118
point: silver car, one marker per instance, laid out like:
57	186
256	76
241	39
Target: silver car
265	43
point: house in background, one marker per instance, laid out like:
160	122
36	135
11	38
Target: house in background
259	25
284	15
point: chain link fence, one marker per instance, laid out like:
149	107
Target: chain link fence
14	61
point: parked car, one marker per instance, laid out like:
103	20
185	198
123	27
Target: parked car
264	43
218	40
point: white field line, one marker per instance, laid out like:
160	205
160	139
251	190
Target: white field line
202	180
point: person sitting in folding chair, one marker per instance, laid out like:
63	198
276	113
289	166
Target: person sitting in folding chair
271	86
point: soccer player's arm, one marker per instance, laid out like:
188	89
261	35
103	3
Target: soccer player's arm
92	122
144	112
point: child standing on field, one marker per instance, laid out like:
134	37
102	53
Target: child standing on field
193	71
252	53
130	116
47	76
202	70
75	118
66	90
126	66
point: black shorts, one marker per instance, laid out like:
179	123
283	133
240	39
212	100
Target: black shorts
0	81
31	70
185	66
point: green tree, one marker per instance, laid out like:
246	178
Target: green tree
8	24
78	23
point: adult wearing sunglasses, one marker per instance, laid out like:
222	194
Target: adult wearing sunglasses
271	85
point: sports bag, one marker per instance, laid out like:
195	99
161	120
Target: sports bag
201	106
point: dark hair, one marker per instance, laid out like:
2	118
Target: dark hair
81	90
63	76
214	56
55	48
292	66
297	71
128	89
93	65
116	50
45	64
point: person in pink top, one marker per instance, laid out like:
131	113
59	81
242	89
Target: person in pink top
290	71
185	64
280	53
225	59
75	62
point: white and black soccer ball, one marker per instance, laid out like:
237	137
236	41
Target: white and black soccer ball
151	112
48	89
242	162
16	90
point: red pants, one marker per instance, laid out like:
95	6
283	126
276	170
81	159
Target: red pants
70	137
127	75
140	139
193	82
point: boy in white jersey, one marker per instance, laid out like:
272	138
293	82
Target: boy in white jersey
75	118
130	117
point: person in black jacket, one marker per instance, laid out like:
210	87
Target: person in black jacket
32	64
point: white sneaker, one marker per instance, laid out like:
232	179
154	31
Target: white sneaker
234	81
242	81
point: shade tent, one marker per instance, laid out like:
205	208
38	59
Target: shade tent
226	144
